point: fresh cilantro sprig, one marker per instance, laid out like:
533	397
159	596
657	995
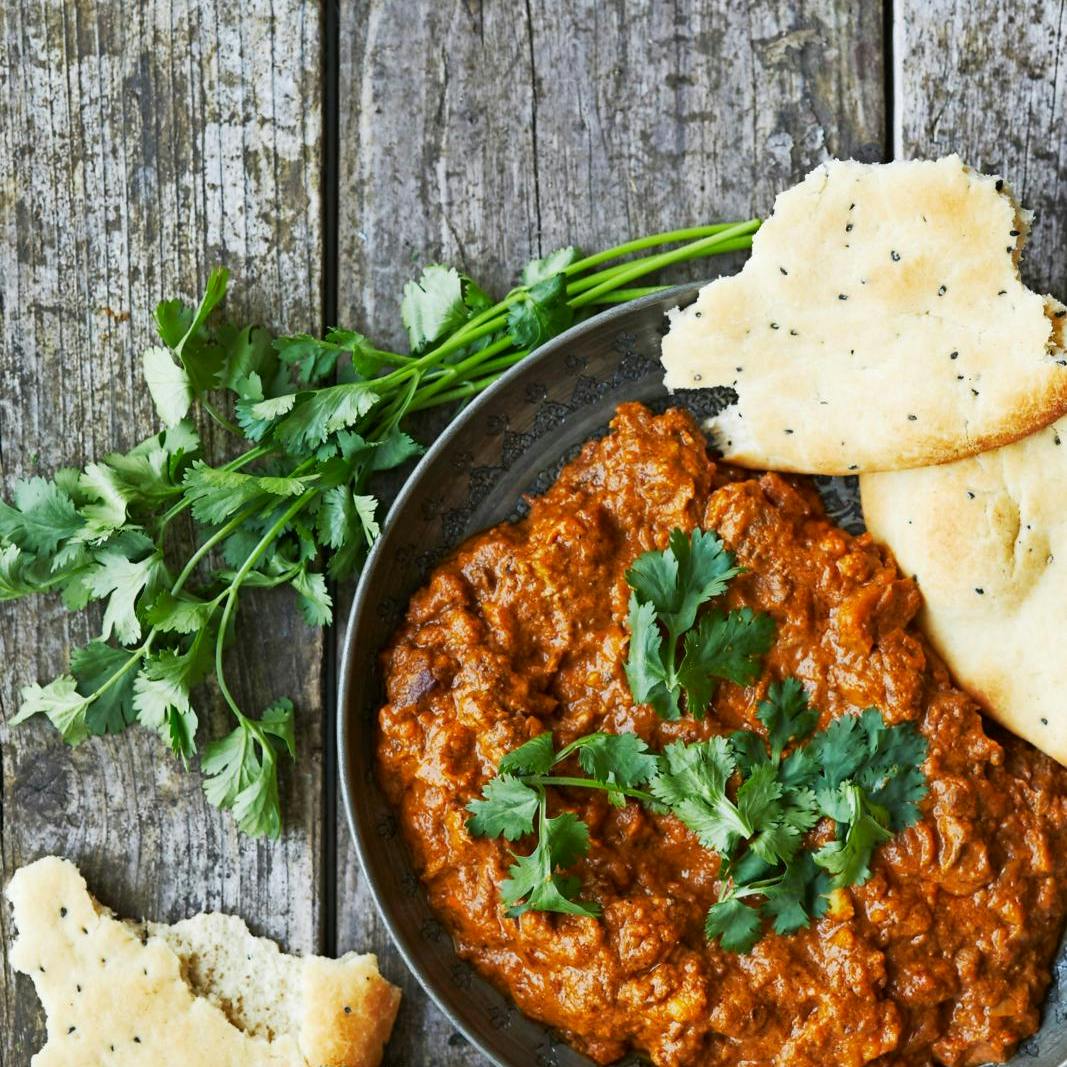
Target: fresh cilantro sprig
741	796
668	588
514	804
317	419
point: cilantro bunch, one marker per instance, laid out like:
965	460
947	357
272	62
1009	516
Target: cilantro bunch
741	795
288	502
514	803
668	589
860	773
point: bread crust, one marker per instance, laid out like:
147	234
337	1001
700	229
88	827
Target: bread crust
880	324
133	994
349	1013
986	538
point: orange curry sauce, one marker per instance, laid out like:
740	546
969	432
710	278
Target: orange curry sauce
942	957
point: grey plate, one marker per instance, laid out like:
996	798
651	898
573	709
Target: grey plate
513	440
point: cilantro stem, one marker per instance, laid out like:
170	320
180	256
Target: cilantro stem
136	656
696	250
231	600
460	392
219	535
246	457
711	240
146	646
590	783
666	259
458	370
221	419
653	240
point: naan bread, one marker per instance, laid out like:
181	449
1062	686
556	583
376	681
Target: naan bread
879	324
987	539
201	993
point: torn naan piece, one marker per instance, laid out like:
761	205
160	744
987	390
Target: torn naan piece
986	538
880	324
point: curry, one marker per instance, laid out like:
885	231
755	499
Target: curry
943	956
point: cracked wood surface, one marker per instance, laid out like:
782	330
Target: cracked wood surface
141	144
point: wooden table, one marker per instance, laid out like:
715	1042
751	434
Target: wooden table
323	154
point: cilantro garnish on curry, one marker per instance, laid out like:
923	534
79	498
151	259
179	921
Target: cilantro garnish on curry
751	806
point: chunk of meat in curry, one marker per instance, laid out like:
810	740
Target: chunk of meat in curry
942	957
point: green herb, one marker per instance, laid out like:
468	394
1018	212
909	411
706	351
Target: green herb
668	589
317	419
739	797
514	804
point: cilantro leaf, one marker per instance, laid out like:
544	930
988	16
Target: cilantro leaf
61	702
645	670
758	795
366	506
799	896
43	517
539	270
891	775
737	926
689	572
257	807
20	574
392	450
180	614
217	495
535	756
107	513
162	698
241	772
316	604
183	331
748	749
783	824
848	860
248	351
315	416
256	414
230	765
669	588
277	720
541	314
617	759
839	750
723	646
787	715
315	359
532	883
346	522
95	666
126	582
507	807
169	385
433	306
691	783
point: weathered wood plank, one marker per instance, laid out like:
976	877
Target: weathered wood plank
988	79
141	144
482	134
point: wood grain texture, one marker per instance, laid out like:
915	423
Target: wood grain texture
141	144
988	79
482	134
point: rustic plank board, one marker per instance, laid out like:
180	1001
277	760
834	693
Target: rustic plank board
141	144
988	79
485	134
